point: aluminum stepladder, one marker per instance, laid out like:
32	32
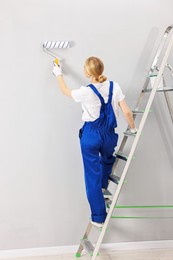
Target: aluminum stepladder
154	78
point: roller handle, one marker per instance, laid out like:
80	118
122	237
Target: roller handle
56	61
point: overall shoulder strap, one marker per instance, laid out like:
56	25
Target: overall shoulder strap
96	92
110	92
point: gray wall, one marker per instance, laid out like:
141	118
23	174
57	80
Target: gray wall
42	195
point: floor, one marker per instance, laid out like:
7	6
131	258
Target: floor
149	254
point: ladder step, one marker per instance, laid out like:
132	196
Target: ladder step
158	90
138	111
107	194
121	156
152	76
87	246
108	203
114	178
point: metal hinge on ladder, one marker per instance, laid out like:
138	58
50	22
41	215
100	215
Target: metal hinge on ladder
157	84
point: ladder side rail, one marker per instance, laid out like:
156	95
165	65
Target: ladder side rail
119	150
169	104
88	229
166	33
167	98
147	81
156	58
121	182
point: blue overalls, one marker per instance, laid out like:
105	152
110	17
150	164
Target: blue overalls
98	140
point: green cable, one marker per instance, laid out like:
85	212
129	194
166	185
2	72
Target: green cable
130	217
137	207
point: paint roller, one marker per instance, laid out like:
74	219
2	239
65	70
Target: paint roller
48	47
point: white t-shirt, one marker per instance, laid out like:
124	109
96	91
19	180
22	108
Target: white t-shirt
90	102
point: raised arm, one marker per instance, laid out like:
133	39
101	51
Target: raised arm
57	71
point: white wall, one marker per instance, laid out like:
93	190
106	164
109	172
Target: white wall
42	195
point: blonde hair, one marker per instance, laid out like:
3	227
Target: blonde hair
94	66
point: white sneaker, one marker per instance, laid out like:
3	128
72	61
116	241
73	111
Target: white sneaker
99	225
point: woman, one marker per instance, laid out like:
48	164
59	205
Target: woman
100	102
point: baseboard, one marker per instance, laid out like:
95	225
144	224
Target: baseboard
138	245
46	251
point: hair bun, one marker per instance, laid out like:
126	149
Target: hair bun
102	78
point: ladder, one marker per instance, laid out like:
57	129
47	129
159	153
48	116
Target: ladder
154	82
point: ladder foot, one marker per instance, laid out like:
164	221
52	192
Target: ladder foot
79	251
